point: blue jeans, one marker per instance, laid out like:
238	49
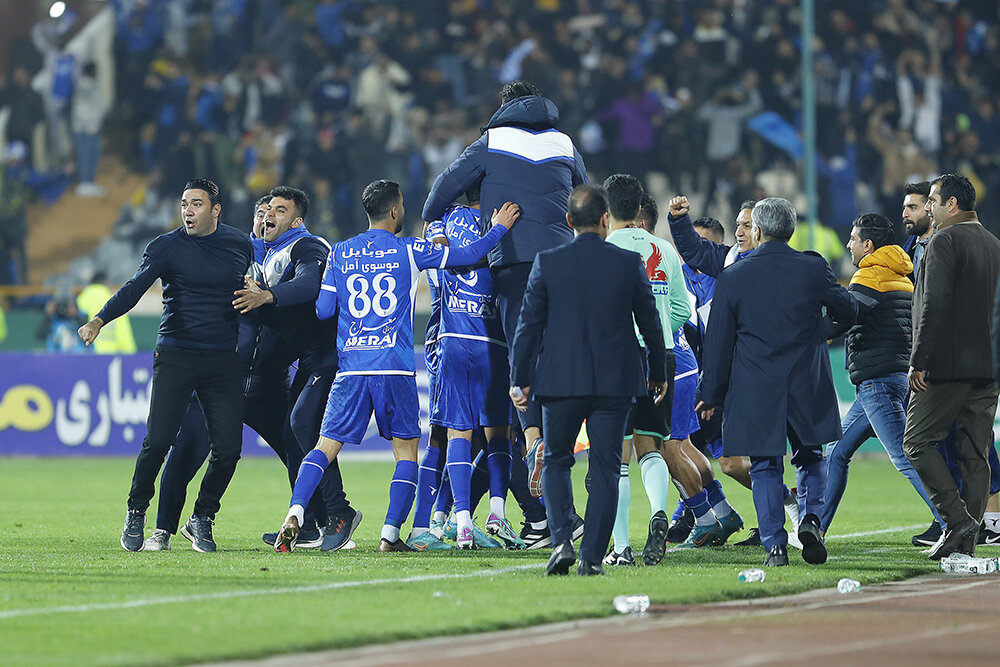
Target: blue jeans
879	410
88	152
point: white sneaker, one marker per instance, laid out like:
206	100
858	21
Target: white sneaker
158	541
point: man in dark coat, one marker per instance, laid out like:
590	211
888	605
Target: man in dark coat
577	322
951	366
767	366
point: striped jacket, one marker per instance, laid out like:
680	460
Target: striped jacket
521	158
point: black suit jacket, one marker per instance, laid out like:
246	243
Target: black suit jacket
576	323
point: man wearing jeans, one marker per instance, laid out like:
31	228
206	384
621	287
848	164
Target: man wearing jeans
878	354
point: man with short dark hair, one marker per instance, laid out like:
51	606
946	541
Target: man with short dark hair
201	265
951	370
917	222
576	350
774	383
369	284
878	354
282	296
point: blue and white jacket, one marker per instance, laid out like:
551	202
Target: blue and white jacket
520	158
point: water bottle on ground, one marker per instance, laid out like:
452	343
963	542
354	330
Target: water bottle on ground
846	585
631	604
752	576
959	563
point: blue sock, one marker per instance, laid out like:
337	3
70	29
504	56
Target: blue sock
480	479
460	471
428	481
531	507
698	504
444	497
679	511
402	489
715	494
498	463
310	473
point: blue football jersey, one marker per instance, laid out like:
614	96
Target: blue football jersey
434	230
468	300
371	282
684	356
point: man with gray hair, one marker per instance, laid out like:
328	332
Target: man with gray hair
767	367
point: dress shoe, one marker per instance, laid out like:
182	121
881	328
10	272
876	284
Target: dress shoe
961	539
777	556
588	569
813	547
561	560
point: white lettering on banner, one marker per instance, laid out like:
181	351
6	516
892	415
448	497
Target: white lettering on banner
126	407
102	433
72	430
118	406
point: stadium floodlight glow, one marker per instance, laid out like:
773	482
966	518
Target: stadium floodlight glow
57	9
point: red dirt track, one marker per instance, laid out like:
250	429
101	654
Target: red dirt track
943	620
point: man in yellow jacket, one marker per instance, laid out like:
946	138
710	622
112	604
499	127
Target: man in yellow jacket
116	335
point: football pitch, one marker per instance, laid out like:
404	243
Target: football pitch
69	594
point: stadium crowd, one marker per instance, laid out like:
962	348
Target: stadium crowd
327	96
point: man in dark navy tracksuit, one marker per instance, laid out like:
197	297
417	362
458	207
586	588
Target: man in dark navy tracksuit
200	265
521	158
283	295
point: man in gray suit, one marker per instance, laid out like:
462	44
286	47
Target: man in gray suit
951	365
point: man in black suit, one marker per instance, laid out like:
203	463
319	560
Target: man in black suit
576	320
767	365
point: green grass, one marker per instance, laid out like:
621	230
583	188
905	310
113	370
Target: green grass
59	548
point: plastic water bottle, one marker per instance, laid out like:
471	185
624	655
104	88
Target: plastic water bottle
846	585
631	604
752	576
965	564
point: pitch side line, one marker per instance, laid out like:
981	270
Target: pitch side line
226	595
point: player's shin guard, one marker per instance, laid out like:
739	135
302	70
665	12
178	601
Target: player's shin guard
402	489
620	530
655	479
310	474
428	482
498	459
460	471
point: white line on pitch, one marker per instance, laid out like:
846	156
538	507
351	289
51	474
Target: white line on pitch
225	595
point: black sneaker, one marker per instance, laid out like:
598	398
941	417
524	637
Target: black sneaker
656	542
681	527
929	537
752	541
309	538
577	526
626	557
198	529
132	533
535	538
339	529
987	536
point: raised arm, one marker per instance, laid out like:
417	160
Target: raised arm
461	175
700	254
125	298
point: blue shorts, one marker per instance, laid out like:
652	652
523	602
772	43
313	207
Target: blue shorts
684	419
353	398
472	385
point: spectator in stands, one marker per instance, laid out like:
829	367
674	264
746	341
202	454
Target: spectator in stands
58	328
87	118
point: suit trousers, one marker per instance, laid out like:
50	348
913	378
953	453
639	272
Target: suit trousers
561	420
768	489
929	417
217	379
